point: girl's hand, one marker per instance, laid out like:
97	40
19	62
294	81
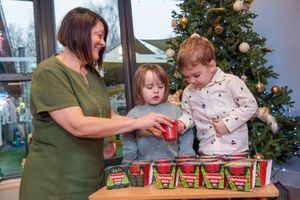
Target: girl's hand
181	127
220	127
155	131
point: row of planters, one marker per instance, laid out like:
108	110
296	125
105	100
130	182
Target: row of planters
214	172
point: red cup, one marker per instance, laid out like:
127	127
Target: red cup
171	133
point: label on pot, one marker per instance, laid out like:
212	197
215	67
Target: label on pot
165	175
213	175
117	176
240	175
190	174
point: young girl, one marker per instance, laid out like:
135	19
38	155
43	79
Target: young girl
150	85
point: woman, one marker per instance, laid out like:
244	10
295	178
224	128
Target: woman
71	115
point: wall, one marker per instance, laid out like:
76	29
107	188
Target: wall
278	22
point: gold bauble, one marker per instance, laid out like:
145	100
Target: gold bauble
183	21
260	87
218	29
275	89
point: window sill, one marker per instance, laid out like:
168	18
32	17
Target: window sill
10	184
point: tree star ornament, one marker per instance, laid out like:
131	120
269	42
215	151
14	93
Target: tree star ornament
238	5
244	47
170	53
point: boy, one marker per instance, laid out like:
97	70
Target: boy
218	104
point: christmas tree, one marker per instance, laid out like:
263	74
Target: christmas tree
273	132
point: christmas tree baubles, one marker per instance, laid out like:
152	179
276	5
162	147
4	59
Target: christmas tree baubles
244	47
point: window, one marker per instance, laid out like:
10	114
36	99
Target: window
151	30
17	61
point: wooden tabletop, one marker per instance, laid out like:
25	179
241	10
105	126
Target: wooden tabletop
151	192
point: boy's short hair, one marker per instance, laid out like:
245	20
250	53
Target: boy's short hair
195	50
139	81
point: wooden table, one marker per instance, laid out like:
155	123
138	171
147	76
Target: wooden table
151	192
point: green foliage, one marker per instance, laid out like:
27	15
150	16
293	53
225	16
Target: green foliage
202	16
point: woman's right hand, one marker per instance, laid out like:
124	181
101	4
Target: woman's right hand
152	122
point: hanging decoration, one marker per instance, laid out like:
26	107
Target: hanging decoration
264	115
183	21
266	49
244	47
170	53
173	23
260	87
217	9
218	28
238	5
275	89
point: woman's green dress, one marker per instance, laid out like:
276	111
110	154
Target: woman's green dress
59	165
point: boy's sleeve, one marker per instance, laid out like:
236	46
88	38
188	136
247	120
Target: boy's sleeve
247	105
186	116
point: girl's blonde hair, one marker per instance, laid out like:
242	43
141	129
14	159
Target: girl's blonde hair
139	81
195	50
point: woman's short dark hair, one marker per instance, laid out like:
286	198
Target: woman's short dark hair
75	33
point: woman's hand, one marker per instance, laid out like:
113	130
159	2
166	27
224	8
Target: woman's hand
152	122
